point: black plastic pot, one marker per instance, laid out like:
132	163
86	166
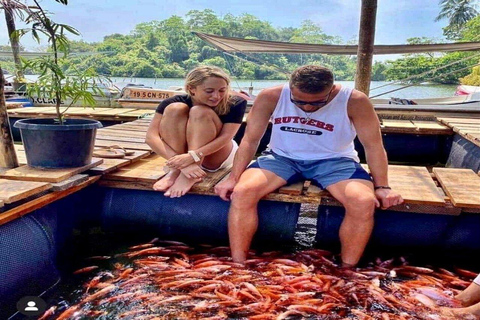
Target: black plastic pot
51	145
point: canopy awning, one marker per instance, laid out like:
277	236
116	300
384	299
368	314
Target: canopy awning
230	44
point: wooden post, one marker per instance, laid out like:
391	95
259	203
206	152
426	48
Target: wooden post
366	41
8	157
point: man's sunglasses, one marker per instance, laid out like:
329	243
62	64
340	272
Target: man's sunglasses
318	103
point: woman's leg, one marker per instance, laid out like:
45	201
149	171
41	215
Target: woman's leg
172	129
203	126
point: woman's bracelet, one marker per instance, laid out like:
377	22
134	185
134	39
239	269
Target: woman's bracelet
194	155
382	187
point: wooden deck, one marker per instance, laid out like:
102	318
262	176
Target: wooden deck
105	114
468	128
438	191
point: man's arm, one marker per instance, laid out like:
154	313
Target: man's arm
257	122
365	121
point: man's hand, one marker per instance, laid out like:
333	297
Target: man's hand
193	171
225	188
387	198
180	161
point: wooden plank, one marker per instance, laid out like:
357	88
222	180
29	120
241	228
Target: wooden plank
109	165
27	173
130	128
432	127
314	190
292	189
53	111
461	185
121	133
414	184
400	126
137	155
102	136
448	120
143	170
11	190
42	201
138	123
85	111
110	111
34	110
70	182
138	113
126	145
20	152
210	180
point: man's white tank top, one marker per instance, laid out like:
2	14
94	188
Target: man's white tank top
323	134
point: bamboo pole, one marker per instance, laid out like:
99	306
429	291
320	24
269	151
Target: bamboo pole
365	45
8	157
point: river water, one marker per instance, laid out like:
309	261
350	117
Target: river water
376	87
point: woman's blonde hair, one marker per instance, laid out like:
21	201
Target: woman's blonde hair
198	75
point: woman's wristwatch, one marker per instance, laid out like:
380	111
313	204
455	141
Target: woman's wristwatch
196	157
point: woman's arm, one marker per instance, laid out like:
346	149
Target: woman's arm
154	140
226	135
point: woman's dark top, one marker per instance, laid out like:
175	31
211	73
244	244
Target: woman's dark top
235	115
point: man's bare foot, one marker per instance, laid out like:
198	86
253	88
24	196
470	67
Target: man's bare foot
181	186
465	313
167	181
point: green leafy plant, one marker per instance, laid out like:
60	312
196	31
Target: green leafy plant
54	82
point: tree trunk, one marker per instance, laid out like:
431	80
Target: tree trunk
9	18
8	158
365	45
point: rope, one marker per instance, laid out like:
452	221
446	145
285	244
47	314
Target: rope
426	72
231	70
413	84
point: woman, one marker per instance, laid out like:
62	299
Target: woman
195	131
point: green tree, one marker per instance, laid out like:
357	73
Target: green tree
458	13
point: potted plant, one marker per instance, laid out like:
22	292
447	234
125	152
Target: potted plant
60	142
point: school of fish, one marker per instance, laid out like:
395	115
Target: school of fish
170	280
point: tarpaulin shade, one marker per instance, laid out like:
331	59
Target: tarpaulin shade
230	44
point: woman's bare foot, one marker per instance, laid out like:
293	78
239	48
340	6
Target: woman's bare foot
167	181
181	186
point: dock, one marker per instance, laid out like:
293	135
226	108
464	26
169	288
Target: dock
449	191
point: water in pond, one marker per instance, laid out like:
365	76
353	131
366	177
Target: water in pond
144	278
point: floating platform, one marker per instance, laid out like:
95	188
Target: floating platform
41	208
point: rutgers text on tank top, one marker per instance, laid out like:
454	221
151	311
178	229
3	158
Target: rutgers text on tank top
323	134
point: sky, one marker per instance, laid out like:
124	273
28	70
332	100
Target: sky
397	20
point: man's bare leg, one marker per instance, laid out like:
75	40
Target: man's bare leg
469	296
173	132
358	198
243	216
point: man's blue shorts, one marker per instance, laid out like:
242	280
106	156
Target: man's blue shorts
321	172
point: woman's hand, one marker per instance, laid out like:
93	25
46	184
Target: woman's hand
180	161
193	171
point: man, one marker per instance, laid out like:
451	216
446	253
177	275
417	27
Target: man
470	300
314	124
